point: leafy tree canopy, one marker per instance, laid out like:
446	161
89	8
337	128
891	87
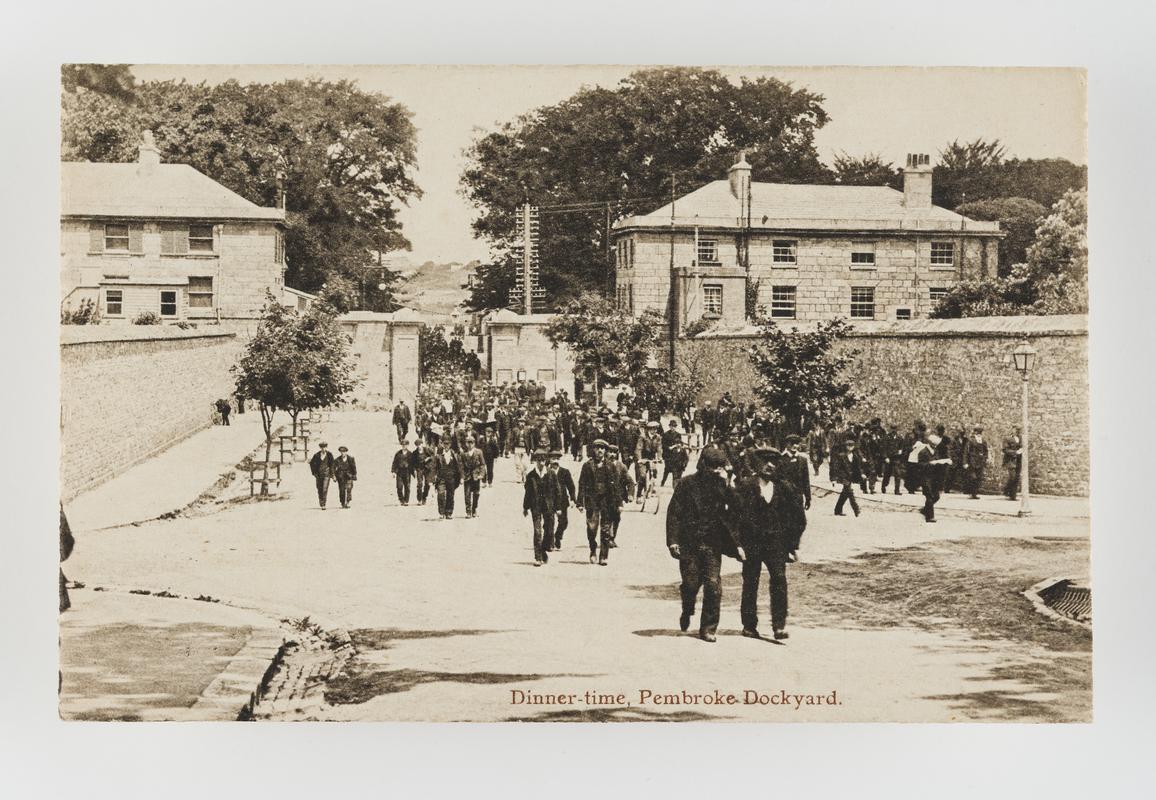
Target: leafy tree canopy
622	145
978	170
347	157
867	170
1017	217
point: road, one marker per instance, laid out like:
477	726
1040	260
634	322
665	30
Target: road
452	621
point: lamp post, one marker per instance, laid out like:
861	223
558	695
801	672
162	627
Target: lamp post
1024	357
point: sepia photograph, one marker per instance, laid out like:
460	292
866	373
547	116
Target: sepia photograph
574	394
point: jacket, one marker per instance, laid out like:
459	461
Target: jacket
798	472
447	472
566	485
404	463
401	415
540	495
773	528
975	453
473	465
321	465
345	468
845	468
596	486
702	514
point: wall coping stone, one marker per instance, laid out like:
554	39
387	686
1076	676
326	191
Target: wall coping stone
97	334
971	327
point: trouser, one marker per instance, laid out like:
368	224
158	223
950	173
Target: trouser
913	479
950	478
845	496
403	489
666	471
1012	483
446	499
972	477
891	470
322	490
402	430
422	487
344	491
932	488
224	417
870	478
642	474
560	527
543	533
599	525
675	477
702	568
473	488
777	578
489	472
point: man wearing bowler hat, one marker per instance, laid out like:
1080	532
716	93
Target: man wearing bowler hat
321	465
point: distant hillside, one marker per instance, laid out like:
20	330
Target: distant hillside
434	289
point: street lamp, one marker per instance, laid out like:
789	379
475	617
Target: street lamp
1024	357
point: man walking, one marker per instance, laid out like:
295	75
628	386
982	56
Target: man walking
538	499
794	469
974	462
699	532
224	409
447	477
321	465
938	461
670	437
403	469
624	491
676	463
597	488
567	494
401	418
771	523
1013	448
893	455
846	469
490	449
473	473
345	473
424	467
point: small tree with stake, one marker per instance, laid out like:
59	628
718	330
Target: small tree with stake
801	378
294	363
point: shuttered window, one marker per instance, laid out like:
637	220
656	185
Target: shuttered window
116	237
200	238
201	292
174	240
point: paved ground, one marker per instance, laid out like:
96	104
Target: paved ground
452	620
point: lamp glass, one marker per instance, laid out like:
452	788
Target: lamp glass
1025	358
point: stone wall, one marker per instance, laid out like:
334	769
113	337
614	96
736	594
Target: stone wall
958	372
518	347
128	393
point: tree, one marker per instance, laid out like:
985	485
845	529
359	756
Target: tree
347	158
967	172
608	345
665	389
1017	216
801	377
867	170
113	80
617	150
492	286
1052	280
440	356
294	363
1044	180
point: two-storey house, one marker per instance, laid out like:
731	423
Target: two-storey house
167	239
803	252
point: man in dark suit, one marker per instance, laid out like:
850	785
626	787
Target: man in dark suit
402	469
679	458
567	494
1013	448
891	447
321	465
936	460
847	470
794	468
700	530
424	463
771	523
624	492
490	450
974	462
401	418
345	473
447	472
473	473
597	490
538	502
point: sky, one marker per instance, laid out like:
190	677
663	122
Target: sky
1034	112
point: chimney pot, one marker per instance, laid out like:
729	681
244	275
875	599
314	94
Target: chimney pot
149	156
917	182
739	176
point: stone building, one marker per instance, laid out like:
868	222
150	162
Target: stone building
164	238
518	350
808	252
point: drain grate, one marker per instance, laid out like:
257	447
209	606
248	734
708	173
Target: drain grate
1063	597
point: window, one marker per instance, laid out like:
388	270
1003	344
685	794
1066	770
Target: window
707	251
783	302
168	303
712	299
630	299
943	254
937	293
545	376
630	245
114	302
200	292
200	238
863	254
116	237
903	313
783	251
863	302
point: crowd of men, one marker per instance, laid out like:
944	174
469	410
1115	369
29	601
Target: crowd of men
748	498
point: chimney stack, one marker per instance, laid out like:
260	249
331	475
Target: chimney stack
150	157
740	177
917	182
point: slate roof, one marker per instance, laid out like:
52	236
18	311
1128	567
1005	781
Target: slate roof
805	207
167	191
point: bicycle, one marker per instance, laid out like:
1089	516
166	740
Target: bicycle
651	499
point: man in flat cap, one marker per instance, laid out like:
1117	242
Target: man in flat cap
321	465
402	470
345	473
700	530
794	468
473	473
597	490
538	502
447	476
975	454
646	453
567	493
771	523
846	469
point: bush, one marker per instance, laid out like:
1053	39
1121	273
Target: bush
700	325
85	314
147	318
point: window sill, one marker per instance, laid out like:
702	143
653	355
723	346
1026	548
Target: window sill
115	253
190	255
864	267
935	268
